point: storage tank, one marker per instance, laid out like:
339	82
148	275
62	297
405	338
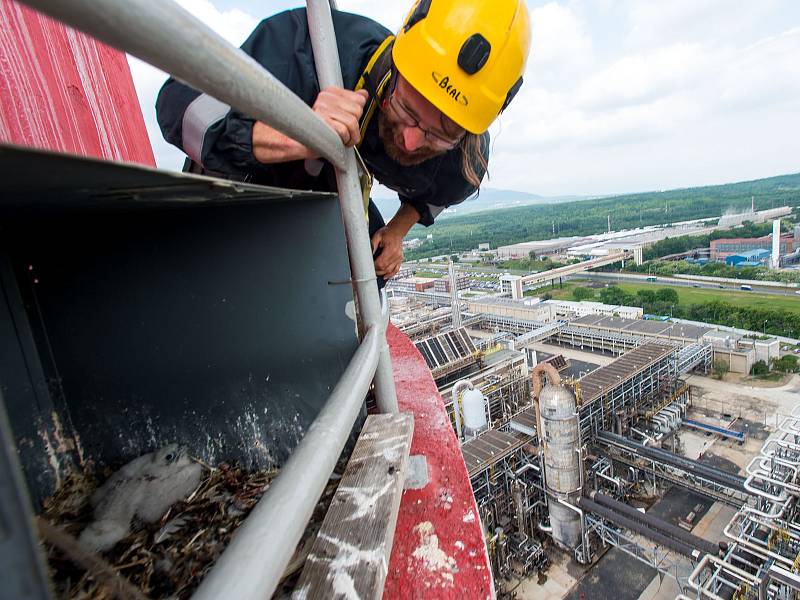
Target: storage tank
474	404
561	441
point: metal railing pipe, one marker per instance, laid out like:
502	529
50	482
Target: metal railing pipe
329	73
252	564
168	37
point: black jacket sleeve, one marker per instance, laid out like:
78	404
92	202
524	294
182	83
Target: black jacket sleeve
281	45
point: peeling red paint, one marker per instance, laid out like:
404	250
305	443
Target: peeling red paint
438	550
62	90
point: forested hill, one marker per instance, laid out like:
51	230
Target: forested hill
585	217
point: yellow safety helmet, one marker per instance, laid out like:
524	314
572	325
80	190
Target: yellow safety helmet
466	57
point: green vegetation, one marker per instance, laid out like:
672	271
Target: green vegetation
719	368
582	293
428	274
713	269
759	368
689	295
786	364
776	315
586	217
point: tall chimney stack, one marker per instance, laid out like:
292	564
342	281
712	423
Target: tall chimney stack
776	243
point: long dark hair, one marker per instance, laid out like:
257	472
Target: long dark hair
473	161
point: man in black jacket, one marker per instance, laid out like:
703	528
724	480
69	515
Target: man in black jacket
430	95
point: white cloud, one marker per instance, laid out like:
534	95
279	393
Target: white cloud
640	78
661	22
234	25
559	41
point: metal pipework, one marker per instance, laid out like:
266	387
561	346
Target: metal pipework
743	576
464	384
252	564
656	524
646	437
329	73
590	505
762	550
168	37
661	455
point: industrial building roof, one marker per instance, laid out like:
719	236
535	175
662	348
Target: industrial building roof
663	329
604	379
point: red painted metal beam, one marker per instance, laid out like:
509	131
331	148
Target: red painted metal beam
439	549
62	90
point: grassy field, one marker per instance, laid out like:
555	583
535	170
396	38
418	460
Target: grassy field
687	295
428	274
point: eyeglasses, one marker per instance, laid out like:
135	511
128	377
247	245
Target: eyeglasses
409	119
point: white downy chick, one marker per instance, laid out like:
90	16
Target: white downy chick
145	487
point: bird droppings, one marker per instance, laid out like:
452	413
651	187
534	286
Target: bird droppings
434	559
459	544
469	517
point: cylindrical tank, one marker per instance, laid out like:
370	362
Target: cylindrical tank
560	437
474	406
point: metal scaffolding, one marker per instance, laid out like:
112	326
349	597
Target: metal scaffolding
617	390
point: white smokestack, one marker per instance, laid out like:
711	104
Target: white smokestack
776	243
454	296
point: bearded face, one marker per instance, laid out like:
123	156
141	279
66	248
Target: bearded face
391	134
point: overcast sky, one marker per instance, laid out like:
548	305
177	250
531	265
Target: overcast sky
619	95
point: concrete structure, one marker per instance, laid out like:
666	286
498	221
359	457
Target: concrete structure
538	247
511	284
761	216
722	248
728	348
403	273
412	284
592	263
569	309
443	285
765	349
530	309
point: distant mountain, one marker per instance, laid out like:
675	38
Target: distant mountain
488	199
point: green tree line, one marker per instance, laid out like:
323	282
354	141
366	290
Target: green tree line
665	301
586	217
713	269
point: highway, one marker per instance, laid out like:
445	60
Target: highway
661	280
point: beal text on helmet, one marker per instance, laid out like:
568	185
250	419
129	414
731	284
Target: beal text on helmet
443	81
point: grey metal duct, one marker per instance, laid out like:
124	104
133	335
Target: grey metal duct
656	523
628	523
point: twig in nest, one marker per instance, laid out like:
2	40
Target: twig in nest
94	565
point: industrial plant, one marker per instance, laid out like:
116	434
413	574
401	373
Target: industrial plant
570	461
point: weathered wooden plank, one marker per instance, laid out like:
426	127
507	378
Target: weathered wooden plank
350	555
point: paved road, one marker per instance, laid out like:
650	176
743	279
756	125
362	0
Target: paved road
623	277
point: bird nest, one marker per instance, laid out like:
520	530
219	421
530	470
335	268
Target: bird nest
166	559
